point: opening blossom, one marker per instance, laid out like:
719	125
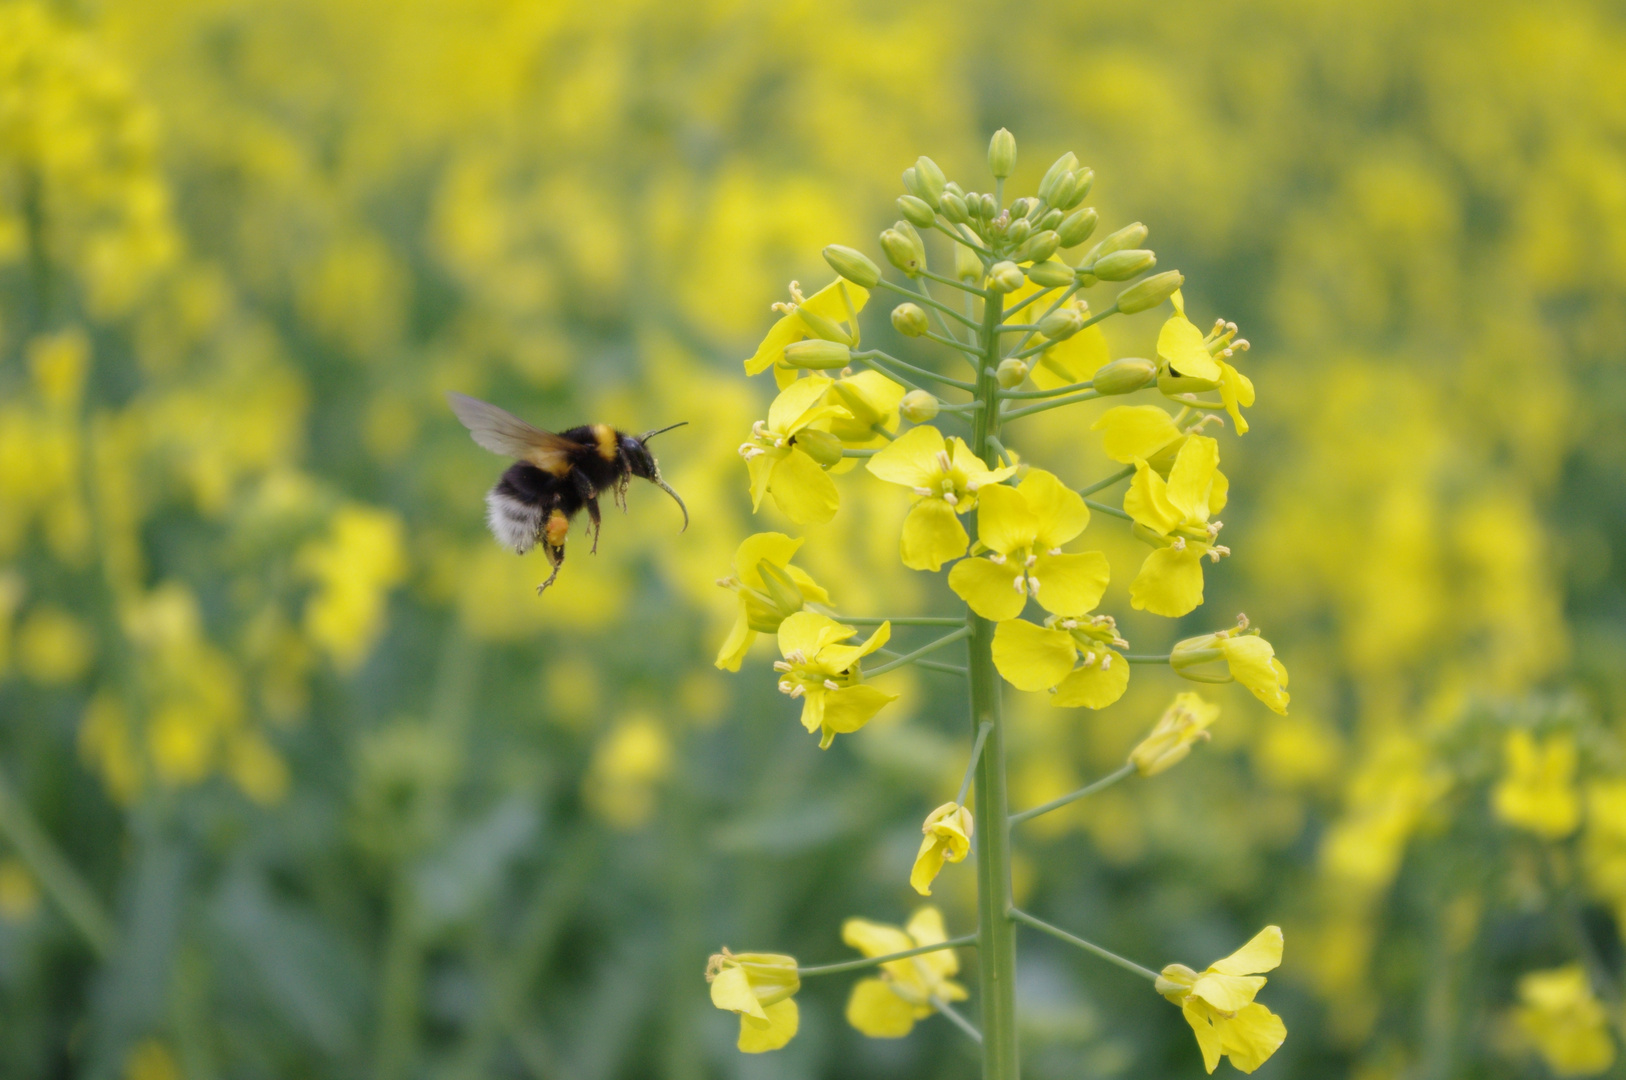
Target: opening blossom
1558	1013
887	1007
1032	657
769	589
1218	1003
838	302
1182	724
788	453
1537	792
870	401
1249	659
757	986
948	839
947	476
826	674
1197	361
1175	513
1020	531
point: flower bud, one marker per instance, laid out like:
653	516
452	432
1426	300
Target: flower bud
919	407
1011	372
1002	154
916	212
1024	208
1077	227
909	320
1195	651
822	326
1130	236
1183	723
1062	323
904	249
1005	277
932	181
967	264
1061	191
1149	293
853	265
911	183
954	208
1123	265
1083	180
821	446
1019	230
1063	166
817	354
953	188
988	208
1051	273
1051	219
1038	247
1124	376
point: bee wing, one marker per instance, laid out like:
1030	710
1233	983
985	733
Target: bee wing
501	432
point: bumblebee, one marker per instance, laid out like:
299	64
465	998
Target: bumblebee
555	476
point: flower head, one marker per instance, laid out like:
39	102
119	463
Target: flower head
948	839
1193	360
1174	514
826	674
769	590
947	476
757	986
1074	656
819	316
1182	724
1537	793
1020	531
789	452
887	1007
870	401
1249	659
1218	1003
1559	1013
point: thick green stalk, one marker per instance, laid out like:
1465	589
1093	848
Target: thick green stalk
996	934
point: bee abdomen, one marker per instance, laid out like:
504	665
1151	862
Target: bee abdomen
514	522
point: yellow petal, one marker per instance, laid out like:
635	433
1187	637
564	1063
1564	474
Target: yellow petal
1070	584
928	864
1135	431
1072	360
1031	657
736	644
1217	493
807	632
802	490
1251	1036
877	1012
990	589
1170	582
1004	522
1060	510
873	938
1227	993
842	657
731	990
1262	953
1191	477
1253	663
1094	687
760	471
811	590
1181	344
850	708
813	714
786	331
932	535
926	926
794	401
910	459
1147	501
1208	1040
772	1032
1236	390
776	547
832	300
977	473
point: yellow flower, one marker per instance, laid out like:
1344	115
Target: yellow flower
1174	514
826	674
1249	659
871	402
1071	360
887	1007
1183	723
1558	1012
947	477
838	302
1537	793
1194	361
948	839
1132	432
757	986
788	453
1218	1003
769	590
1022	529
1032	657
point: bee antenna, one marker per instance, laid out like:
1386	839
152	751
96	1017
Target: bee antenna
646	436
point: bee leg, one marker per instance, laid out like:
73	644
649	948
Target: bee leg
593	517
553	544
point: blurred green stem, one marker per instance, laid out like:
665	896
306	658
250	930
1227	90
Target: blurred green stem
1054	403
56	875
1088	946
399	984
875	961
906	658
1088	789
1122	474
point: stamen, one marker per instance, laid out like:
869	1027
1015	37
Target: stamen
1054	551
1033	586
922	491
1069	624
780	665
831	684
1106	661
799	691
1179	543
1031	559
997	559
951	498
786	686
943	461
1089	659
1020	584
796	656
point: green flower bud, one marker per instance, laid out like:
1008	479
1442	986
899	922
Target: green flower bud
1123	265
1038	247
1024	208
818	355
1193	652
919	407
953	188
781	589
1063	166
821	446
912	184
932	181
1083	180
1086	279
1171	384
1077	227
1062	191
822	327
954	208
1002	154
1011	372
1005	277
967	264
1051	219
916	212
904	249
1051	273
1124	376
1019	230
1130	236
909	320
988	208
1062	323
1149	293
853	265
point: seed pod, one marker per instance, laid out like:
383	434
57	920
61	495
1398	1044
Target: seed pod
919	407
1123	265
1051	273
909	320
1005	277
1062	323
853	265
1063	165
954	208
821	446
1011	372
1149	293
1038	247
932	181
1002	154
1124	376
1077	227
916	212
816	354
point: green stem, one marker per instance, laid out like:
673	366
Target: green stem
1054	403
1148	658
1089	322
1121	474
1088	946
929	665
1051	310
1019	305
867	451
996	954
1105	509
957	1020
1018	395
955	284
907	620
952	343
877	355
56	875
999	449
1088	789
889	373
947	639
942	320
960	238
399	985
930	301
874	961
971	766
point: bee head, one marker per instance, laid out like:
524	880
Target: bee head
641	463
